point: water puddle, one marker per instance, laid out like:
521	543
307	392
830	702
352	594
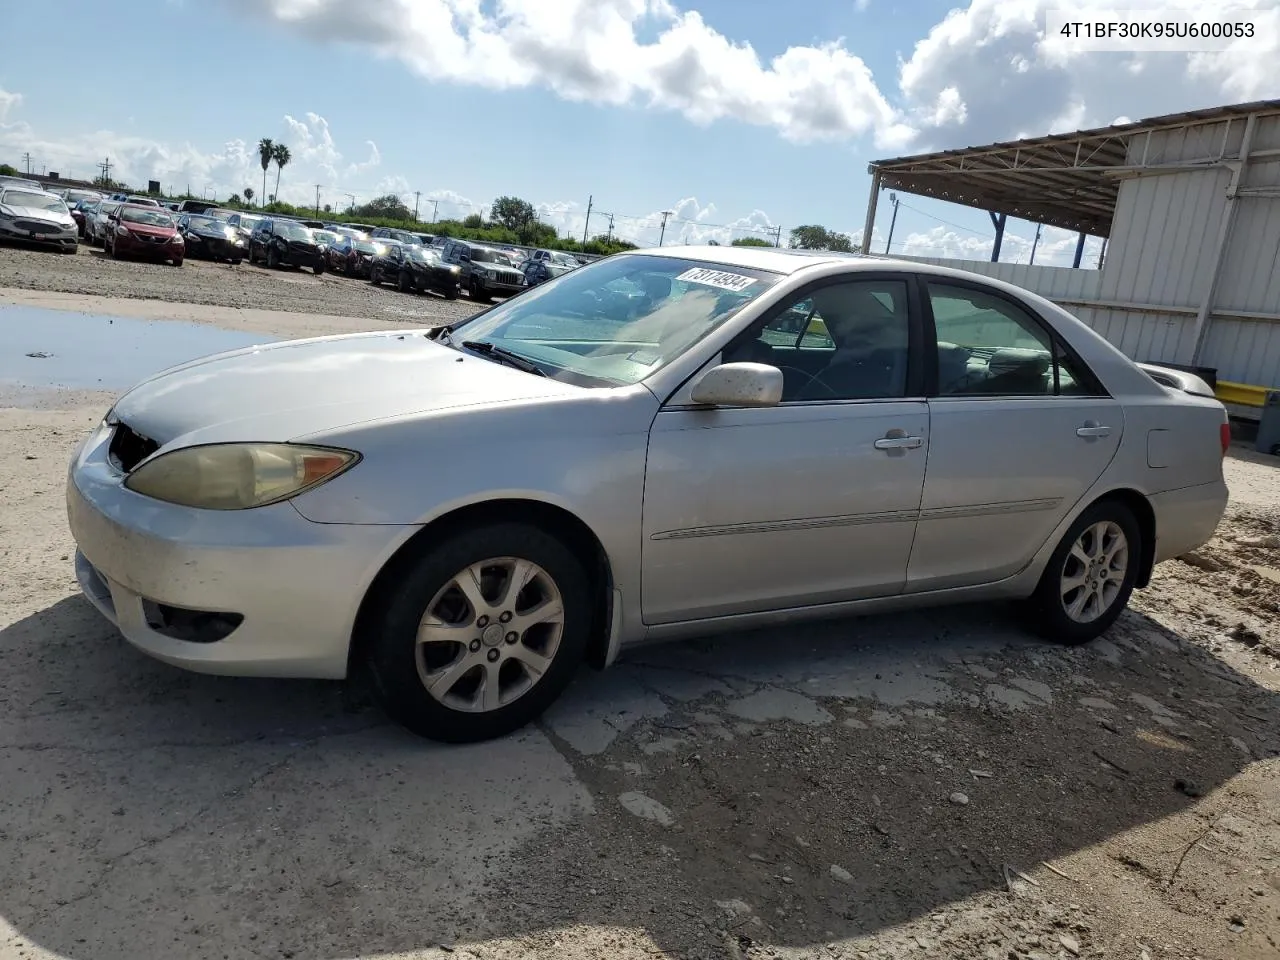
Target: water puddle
43	350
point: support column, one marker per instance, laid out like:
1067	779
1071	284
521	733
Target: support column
1075	264
1201	328
871	211
997	221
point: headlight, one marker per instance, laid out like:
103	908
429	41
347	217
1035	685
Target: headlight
195	238
122	231
238	476
176	238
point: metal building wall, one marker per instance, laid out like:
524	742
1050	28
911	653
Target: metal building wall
1161	254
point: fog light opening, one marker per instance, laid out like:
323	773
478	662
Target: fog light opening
191	626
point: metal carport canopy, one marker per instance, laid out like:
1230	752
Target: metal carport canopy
1067	180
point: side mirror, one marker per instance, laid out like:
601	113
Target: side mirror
739	385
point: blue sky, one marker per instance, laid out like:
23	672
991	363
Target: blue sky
642	105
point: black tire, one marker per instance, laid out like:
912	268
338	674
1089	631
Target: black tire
1048	608
403	283
451	293
391	649
235	263
375	276
273	259
477	296
318	269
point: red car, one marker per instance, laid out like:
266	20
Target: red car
137	231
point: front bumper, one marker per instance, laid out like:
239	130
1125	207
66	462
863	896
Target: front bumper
133	246
497	288
297	584
216	249
55	235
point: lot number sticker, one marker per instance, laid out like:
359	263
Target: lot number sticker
717	278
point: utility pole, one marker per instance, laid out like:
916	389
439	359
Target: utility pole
1035	243
416	195
351	201
587	223
435	207
609	235
106	171
317	201
777	235
893	198
662	236
26	157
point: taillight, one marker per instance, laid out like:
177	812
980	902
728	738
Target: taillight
1224	432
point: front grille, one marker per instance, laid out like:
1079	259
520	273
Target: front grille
35	226
128	448
151	238
509	276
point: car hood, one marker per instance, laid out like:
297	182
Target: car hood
281	391
35	213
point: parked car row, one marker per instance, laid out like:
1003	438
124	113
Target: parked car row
130	225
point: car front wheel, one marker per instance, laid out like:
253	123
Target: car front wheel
1090	576
481	633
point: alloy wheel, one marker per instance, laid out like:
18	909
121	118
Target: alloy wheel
1094	572
490	634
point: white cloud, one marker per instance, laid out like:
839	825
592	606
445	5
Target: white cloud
590	50
1013	79
8	101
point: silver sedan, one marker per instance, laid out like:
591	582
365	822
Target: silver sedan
660	444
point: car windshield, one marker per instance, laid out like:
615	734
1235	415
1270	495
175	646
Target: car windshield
33	200
107	209
75	196
366	246
618	320
248	222
292	231
204	223
419	253
483	255
150	216
325	236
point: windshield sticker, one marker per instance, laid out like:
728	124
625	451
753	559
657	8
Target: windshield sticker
717	278
645	357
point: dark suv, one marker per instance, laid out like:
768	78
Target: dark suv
485	272
286	243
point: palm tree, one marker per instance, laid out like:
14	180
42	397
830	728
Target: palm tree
248	195
282	157
266	153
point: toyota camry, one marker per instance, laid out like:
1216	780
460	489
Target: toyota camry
661	444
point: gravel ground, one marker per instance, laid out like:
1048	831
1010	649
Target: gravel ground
933	785
219	284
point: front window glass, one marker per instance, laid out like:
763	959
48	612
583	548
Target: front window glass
150	216
33	200
620	319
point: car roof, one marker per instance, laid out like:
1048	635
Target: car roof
774	259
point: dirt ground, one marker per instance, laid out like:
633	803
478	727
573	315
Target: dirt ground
243	287
932	785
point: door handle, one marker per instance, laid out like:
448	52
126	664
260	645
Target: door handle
1093	430
898	443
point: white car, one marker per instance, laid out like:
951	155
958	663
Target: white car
37	217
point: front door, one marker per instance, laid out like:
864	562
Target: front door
1021	431
808	502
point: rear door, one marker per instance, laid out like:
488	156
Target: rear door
1020	430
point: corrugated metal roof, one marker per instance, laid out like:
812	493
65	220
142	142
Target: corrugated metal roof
1059	179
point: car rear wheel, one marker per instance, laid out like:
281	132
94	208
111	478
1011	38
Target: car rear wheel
273	258
1090	576
481	633
403	284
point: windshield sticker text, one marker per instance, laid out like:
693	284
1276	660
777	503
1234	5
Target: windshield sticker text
717	278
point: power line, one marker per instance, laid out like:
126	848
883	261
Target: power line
976	233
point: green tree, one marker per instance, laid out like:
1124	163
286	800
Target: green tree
248	195
386	207
816	237
280	154
8	170
750	242
513	213
266	153
473	222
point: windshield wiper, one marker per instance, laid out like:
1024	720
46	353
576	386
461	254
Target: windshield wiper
507	356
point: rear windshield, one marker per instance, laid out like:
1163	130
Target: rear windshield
291	230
